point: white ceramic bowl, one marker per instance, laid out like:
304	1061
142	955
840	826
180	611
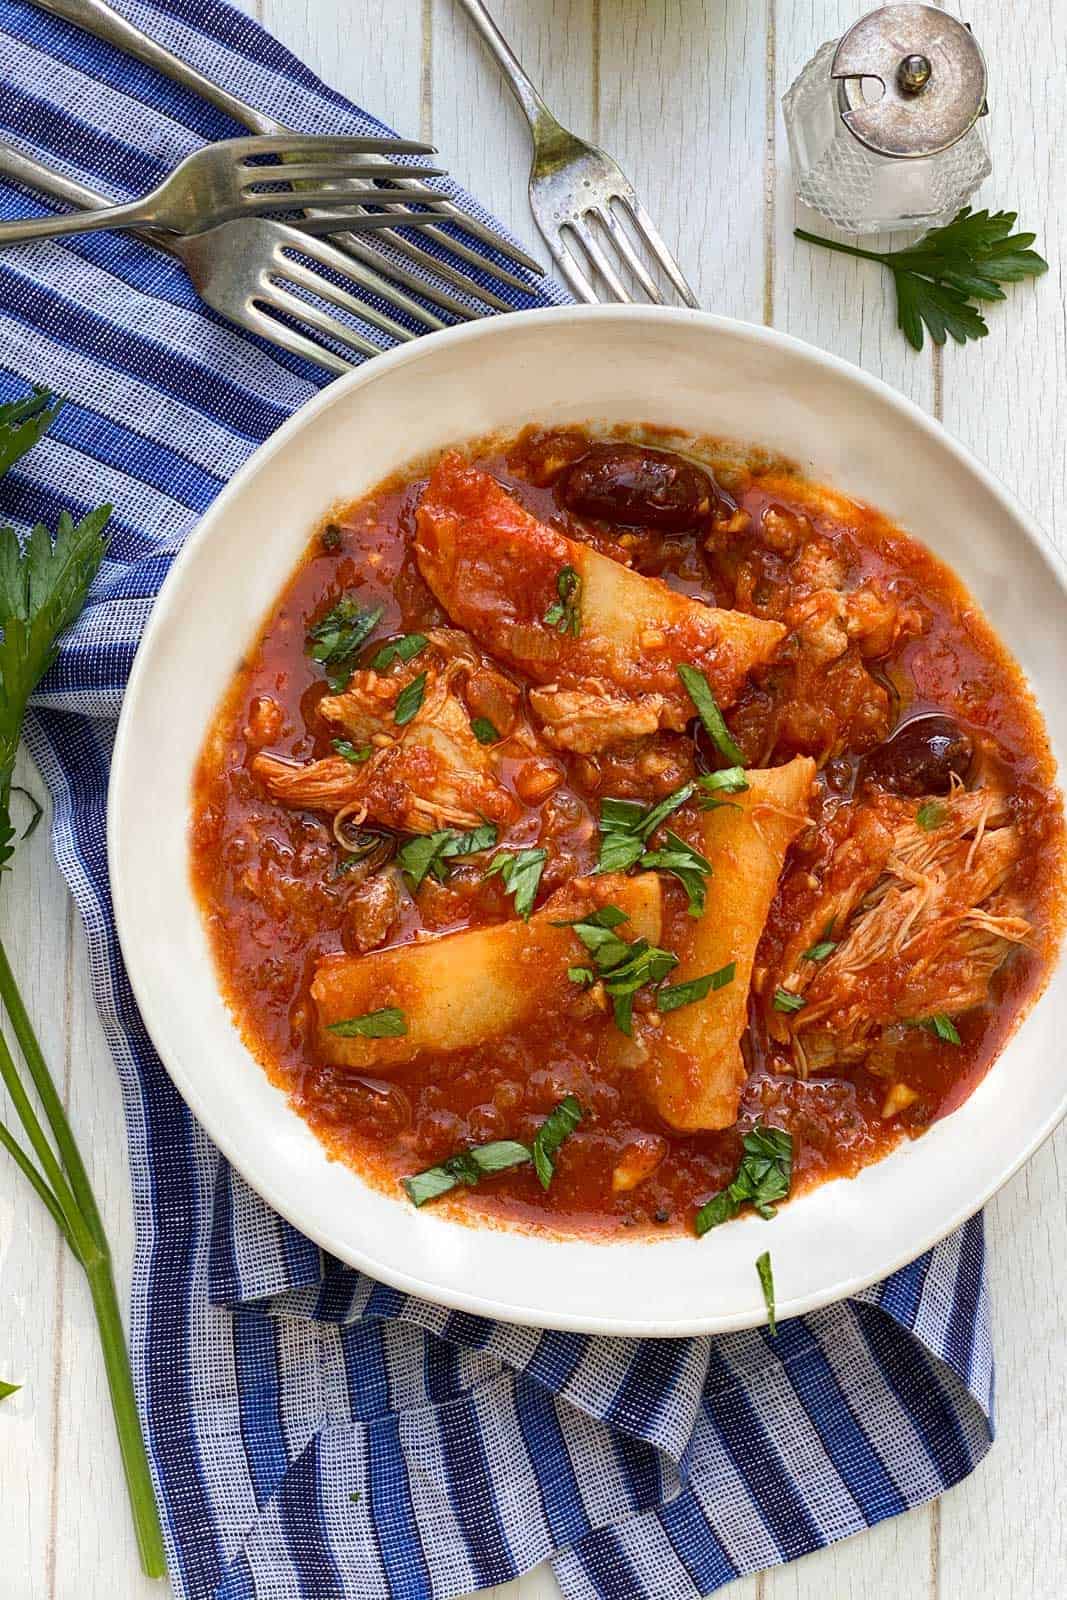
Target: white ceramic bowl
608	364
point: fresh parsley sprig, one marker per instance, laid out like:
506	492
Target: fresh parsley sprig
939	279
44	582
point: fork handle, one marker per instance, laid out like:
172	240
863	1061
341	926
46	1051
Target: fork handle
23	228
525	91
99	19
35	175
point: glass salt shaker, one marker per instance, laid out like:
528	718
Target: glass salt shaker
884	124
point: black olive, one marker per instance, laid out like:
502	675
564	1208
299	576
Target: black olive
639	488
923	756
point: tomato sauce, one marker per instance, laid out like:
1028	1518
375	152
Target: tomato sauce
275	902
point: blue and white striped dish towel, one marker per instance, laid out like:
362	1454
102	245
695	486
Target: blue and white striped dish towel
314	1434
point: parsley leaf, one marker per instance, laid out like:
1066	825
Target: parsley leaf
334	640
684	994
23	422
565	614
697	688
766	1279
938	278
346	748
388	1023
941	1026
621	967
468	1167
8	1388
405	648
730	780
763	1177
931	815
409	700
684	863
484	731
559	1125
785	1000
626	826
43	585
425	854
521	873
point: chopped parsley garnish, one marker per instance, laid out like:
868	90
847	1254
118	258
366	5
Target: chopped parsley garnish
766	1279
621	967
825	946
388	1023
698	690
468	1167
402	649
763	1177
484	731
565	613
684	863
559	1125
331	537
583	976
941	1026
626	826
409	700
521	873
351	752
730	780
785	1000
8	1388
471	1166
334	640
425	855
684	994
931	815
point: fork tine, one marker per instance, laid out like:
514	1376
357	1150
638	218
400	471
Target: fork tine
296	272
356	249
324	144
332	222
255	319
600	261
332	327
255	201
647	228
349	267
626	250
567	262
301	172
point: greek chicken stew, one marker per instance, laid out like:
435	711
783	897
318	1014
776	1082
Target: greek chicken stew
605	837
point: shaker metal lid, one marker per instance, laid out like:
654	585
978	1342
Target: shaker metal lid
933	75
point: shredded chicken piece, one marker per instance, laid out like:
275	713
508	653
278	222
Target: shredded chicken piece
426	774
924	935
587	720
878	620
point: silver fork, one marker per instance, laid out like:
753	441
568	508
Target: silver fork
578	191
242	269
98	18
220	183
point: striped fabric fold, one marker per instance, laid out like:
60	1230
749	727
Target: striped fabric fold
315	1435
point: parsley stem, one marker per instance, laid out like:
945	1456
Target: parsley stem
26	1166
842	249
63	1186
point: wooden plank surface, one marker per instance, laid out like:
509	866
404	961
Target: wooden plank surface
685	95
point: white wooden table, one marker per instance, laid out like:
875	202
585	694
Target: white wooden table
686	96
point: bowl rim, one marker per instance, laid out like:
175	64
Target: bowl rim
471	333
